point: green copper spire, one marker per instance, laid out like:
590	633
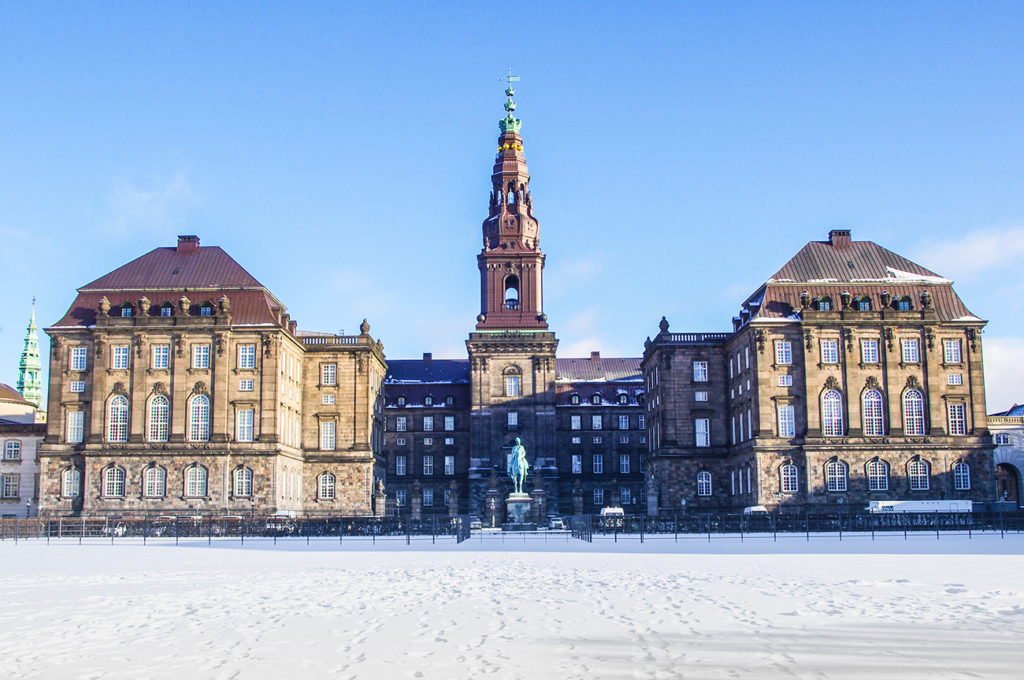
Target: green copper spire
30	382
510	123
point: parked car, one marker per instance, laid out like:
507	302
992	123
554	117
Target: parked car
556	523
475	523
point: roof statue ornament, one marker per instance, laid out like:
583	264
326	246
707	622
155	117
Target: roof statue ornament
510	123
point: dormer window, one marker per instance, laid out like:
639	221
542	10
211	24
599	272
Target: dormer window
595	399
126	310
903	304
863	304
449	401
623	399
574	399
824	304
428	400
206	309
166	309
401	401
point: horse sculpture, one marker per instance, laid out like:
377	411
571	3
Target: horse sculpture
518	466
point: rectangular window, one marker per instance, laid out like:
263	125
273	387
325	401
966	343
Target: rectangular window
449	423
741	427
245	429
577	440
328	399
76	427
161	357
955	379
750	425
11	484
625	496
575	423
577	464
787	421
512	421
246	385
449	441
428	441
329	374
951	351
78	358
247	356
595	422
327	440
829	351
428	423
511	385
449	465
598	463
700	371
200	356
623	463
401	497
869	351
77	386
911	351
165	310
428	498
400	466
428	465
598	496
702	428
598	439
783	352
785	381
400	424
700	396
623	422
400	441
958	418
119	357
643	423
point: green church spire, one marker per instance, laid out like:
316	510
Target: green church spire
30	382
510	123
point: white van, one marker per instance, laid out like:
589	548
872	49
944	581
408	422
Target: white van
920	506
755	510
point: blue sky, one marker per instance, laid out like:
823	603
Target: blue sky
680	153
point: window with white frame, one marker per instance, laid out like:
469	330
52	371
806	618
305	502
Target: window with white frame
12	449
245	426
872	413
428	441
242	482
903	304
246	385
835	475
117	419
78	356
832	413
957	418
785	381
1003	438
911	351
574	399
428	400
702	430
449	465
955	379
11	485
206	309
700	396
623	438
869	351
327	435
71	483
829	351
623	422
878	475
328	399
401	401
195	481
598	439
154	482
625	497
400	462
428	423
623	463
641	422
159	418
119	357
961	476
76	427
511	385
199	418
918	473
951	351
787	420
449	400
783	352
700	371
449	423
165	309
113	482
598	496
328	374
160	356
595	422
575	422
913	413
790	478
864	304
325	486
76	386
400	424
577	464
598	463
447	496
595	399
247	356
750	425
449	441
428	498
703	483
400	441
577	440
200	356
428	465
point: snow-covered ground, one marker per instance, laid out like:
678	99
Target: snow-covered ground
890	608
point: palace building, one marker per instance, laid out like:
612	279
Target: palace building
178	383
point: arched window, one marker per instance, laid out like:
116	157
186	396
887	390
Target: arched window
117	419
325	486
449	401
195	481
961	476
913	413
199	419
874	422
12	449
595	399
401	401
428	400
243	482
574	399
640	399
917	472
789	478
512	381
159	418
878	475
113	482
71	483
623	398
835	475
154	482
832	413
703	483
512	292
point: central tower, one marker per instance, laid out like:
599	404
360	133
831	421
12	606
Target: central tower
511	352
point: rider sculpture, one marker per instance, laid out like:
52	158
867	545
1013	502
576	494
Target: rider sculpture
518	466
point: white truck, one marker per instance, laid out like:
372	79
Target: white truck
920	506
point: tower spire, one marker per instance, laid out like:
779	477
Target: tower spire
30	382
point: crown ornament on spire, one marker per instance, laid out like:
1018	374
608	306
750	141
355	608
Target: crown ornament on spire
510	123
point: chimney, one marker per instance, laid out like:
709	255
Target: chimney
292	325
427	357
839	238
595	356
188	243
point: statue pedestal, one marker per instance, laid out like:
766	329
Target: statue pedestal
518	506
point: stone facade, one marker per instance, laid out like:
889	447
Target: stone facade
1008	434
21	431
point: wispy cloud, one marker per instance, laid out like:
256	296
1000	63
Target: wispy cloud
1004	372
976	253
573	274
151	208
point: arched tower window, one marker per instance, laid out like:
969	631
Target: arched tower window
512	292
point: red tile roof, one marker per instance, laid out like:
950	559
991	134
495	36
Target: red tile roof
597	368
9	394
166	268
856	261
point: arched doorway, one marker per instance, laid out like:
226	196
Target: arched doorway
1007	483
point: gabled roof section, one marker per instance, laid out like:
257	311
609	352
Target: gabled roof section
598	369
427	370
841	260
176	269
1015	410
